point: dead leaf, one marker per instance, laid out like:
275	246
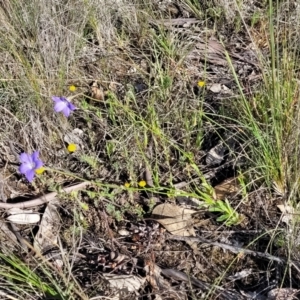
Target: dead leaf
227	188
96	91
24	218
46	237
212	51
287	213
153	275
175	219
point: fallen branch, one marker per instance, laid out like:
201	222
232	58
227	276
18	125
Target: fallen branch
43	199
181	276
231	248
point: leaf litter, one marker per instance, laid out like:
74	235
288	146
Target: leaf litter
135	254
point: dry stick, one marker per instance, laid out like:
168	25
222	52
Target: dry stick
181	276
43	199
148	177
234	249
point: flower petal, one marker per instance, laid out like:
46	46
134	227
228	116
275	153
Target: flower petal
56	99
72	88
25	158
66	111
59	106
24	168
71	106
35	155
38	164
40	170
71	147
30	175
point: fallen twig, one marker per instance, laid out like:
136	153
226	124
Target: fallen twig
43	199
181	276
148	177
231	248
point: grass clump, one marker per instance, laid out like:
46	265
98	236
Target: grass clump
22	280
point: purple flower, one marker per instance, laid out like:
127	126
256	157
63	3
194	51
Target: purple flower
29	164
63	105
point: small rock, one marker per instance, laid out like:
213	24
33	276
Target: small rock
215	88
123	232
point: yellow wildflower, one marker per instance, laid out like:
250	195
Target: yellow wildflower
40	170
71	147
72	88
127	184
201	83
142	183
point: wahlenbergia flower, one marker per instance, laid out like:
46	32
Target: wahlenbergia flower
29	164
63	105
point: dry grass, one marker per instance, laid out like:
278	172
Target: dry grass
153	116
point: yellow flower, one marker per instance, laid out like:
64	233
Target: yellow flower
127	184
71	147
39	171
72	88
201	83
142	183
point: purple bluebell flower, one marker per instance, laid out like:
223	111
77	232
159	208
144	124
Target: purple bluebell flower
63	105
29	164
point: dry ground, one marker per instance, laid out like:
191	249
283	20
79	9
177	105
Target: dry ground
162	88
